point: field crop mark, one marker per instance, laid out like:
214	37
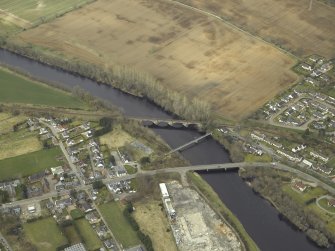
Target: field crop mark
10	17
233	26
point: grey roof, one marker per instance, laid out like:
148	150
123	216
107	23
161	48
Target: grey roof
76	247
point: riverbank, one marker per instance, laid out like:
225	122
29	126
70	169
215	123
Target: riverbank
219	207
124	78
269	185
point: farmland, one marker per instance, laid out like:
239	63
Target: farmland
123	232
45	234
17	89
296	25
188	52
29	163
88	235
26	13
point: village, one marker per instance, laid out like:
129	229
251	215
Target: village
310	104
88	175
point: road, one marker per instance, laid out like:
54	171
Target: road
182	170
65	153
322	208
79	176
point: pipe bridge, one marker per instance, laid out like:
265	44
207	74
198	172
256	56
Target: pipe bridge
195	141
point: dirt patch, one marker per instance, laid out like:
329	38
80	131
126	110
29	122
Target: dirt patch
187	50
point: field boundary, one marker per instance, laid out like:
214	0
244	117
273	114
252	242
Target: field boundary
235	27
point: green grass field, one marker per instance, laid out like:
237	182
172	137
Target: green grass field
301	198
34	10
72	235
89	236
123	232
17	89
324	203
27	164
45	234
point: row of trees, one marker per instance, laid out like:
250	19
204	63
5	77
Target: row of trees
268	183
127	79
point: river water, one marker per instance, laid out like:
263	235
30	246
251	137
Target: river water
259	218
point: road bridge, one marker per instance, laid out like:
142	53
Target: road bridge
166	122
195	141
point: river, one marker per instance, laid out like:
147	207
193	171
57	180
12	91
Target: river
259	218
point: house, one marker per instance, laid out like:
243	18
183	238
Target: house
63	203
306	67
298	148
92	218
331	202
36	177
307	163
109	243
316	155
86	207
31	209
325	169
299	185
57	170
290	157
76	247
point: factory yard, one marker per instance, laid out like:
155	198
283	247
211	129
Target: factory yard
188	52
195	225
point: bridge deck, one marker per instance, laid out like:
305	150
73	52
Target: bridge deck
190	143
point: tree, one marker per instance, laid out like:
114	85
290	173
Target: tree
145	160
98	184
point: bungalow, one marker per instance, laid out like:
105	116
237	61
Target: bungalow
307	163
298	148
63	203
292	158
92	218
331	202
43	131
36	177
57	170
87	207
299	185
306	67
316	155
325	169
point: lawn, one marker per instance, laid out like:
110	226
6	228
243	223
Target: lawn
130	169
123	232
18	89
77	214
324	203
89	236
45	234
27	164
302	198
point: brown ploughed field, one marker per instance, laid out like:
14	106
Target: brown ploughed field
188	51
302	27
